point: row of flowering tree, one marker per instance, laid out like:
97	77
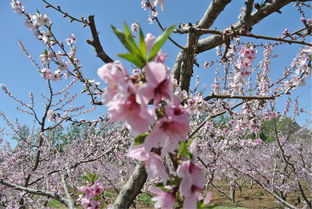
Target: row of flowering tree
157	126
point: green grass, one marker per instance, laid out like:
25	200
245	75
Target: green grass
222	207
145	199
108	194
56	204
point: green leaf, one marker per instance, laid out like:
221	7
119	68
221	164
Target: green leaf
139	139
138	55
159	42
131	42
174	180
86	178
190	141
126	41
133	59
90	177
121	36
183	150
160	186
142	43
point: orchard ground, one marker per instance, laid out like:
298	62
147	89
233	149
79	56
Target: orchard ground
250	197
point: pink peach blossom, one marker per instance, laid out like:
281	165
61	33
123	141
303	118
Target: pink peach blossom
152	162
169	130
161	57
208	199
158	83
137	114
164	200
192	183
89	203
115	75
149	41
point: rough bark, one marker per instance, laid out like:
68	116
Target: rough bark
183	69
216	40
132	188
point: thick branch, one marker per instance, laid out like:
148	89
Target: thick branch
213	11
183	69
216	40
186	70
96	42
177	66
249	7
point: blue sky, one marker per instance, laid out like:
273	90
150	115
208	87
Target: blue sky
21	77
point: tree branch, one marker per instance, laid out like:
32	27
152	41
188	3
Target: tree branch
216	40
161	27
266	189
96	42
211	117
201	31
71	204
65	14
36	192
183	70
74	165
249	7
237	97
213	11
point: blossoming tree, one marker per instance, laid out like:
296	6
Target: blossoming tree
169	128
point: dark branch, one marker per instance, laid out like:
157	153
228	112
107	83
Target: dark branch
213	96
201	31
96	42
217	40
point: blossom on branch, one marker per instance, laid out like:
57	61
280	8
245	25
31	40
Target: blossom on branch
246	55
89	193
157	2
17	7
169	130
164	200
149	41
122	98
192	183
152	162
159	85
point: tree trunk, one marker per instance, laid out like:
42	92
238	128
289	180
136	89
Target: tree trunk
132	188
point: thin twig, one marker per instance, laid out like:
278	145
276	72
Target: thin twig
65	14
162	28
220	96
211	117
187	29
